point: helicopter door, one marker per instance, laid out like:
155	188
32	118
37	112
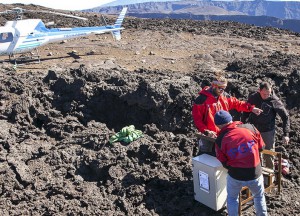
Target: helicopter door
6	37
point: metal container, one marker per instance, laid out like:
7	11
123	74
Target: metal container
209	177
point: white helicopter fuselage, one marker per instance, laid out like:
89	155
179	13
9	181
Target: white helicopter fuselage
21	36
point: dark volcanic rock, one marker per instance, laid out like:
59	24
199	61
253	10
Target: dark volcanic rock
55	152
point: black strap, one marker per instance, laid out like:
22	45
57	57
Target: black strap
200	99
247	126
250	127
220	138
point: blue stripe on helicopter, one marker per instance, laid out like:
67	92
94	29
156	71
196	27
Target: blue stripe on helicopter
28	45
32	44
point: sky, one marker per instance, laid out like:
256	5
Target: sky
63	4
70	4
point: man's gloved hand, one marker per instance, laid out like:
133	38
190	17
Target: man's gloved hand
286	140
210	133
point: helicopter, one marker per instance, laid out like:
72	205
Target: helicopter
23	35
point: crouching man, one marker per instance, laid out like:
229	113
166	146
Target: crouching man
237	148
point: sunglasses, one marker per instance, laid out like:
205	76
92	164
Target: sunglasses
221	88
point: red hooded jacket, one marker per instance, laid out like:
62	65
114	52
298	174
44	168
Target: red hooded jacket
206	105
237	148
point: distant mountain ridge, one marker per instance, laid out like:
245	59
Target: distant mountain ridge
279	9
129	2
279	14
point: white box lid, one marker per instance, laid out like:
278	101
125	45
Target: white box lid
208	160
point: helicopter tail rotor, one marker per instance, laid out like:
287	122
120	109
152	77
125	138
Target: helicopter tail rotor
102	18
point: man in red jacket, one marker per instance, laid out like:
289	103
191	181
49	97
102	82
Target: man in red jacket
210	100
237	148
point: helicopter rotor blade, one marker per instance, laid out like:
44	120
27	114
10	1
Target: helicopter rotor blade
57	13
5	12
14	11
20	11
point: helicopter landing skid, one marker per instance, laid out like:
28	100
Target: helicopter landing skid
24	58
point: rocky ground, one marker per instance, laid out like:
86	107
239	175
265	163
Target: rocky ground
57	116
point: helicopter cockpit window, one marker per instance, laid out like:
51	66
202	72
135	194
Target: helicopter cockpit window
6	37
